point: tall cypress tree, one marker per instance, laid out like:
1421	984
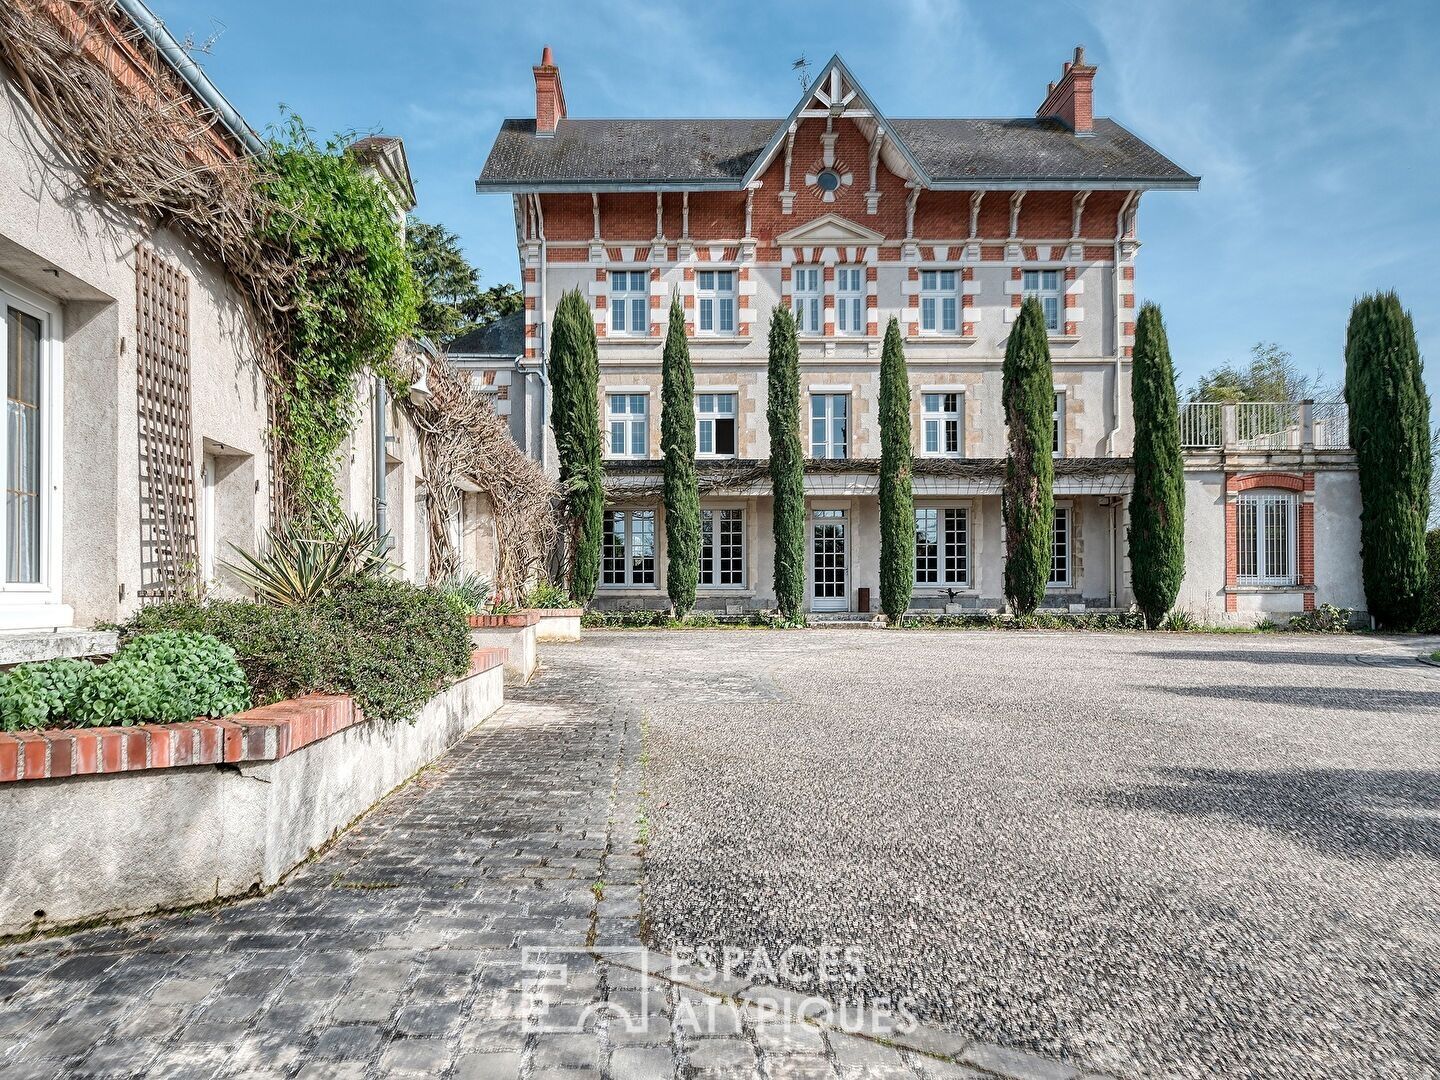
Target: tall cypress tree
787	463
897	504
1390	432
677	444
575	418
1157	506
1028	497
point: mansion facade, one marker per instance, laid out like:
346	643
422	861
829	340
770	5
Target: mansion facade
849	217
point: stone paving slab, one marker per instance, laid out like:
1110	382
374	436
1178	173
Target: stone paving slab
403	950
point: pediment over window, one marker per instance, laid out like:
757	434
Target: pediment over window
831	230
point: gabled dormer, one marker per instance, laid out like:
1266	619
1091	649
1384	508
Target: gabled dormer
834	97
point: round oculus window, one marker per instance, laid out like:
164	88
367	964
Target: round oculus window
828	180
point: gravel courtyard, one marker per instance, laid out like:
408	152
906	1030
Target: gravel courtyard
1149	855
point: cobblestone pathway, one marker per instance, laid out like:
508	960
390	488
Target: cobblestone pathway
400	950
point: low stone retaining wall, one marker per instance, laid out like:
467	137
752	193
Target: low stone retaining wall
558	624
111	823
515	634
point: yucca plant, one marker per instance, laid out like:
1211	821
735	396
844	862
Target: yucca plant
468	592
297	568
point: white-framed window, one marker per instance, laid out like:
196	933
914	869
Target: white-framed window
942	546
1266	534
722	548
30	367
1045	286
939	301
829	425
942	426
627	548
807	288
1057	433
850	300
1060	548
715	299
630	302
628	419
715	425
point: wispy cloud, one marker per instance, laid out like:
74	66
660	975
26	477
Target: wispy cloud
1311	121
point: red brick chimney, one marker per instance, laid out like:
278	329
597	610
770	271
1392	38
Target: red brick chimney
1070	99
549	95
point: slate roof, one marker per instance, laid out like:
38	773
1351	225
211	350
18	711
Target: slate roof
504	337
717	153
1033	149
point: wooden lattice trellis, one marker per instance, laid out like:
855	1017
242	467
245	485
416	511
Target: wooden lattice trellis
169	552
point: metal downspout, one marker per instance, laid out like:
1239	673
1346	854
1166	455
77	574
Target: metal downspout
382	524
542	327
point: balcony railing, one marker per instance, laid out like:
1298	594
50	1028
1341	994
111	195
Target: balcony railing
1264	425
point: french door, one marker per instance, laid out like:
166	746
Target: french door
829	560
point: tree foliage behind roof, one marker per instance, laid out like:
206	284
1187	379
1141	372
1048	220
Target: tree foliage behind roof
1271	375
452	302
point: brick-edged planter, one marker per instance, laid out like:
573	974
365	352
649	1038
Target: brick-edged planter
516	634
119	821
558	624
514	621
267	733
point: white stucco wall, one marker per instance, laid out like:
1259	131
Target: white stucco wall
126	843
1338	578
59	242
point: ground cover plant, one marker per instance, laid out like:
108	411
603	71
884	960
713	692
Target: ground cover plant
158	678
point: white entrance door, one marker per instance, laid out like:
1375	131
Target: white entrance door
829	589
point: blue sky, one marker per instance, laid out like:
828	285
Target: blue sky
1313	124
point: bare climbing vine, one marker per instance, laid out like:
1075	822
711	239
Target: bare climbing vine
462	437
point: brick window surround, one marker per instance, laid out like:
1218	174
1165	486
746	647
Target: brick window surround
1302	484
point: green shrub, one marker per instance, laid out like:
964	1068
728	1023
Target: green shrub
677	444
1429	621
897	503
1039	620
387	643
39	695
696	620
787	462
545	595
1028	497
1157	506
1326	619
575	418
208	680
1390	431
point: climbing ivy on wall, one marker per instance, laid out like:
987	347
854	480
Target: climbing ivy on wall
354	297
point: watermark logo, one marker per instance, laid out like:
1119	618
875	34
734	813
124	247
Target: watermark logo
559	989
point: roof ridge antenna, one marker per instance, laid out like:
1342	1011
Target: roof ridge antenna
802	67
